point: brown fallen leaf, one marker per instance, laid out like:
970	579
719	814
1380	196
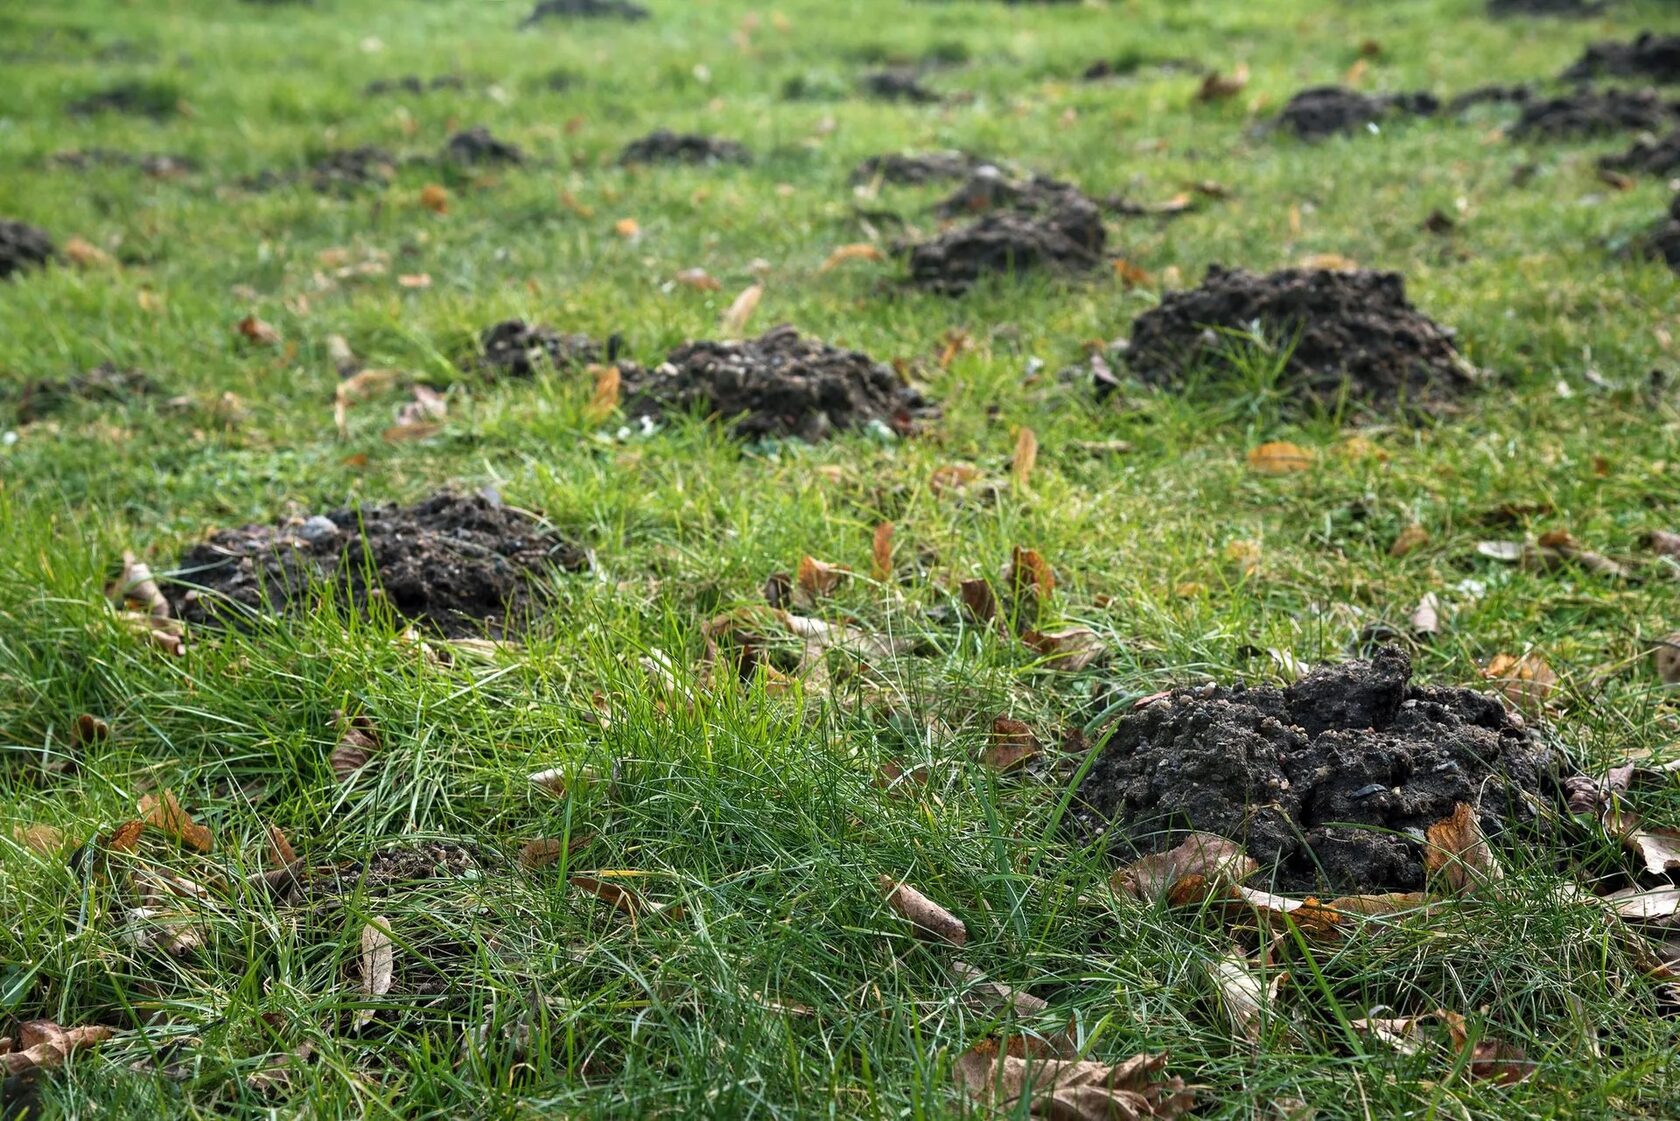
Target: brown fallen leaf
1456	852
255	331
414	280
279	852
624	899
1355	74
1409	540
628	228
1279	457
1426	616
435	197
84	254
929	918
88	730
881	552
1011	746
994	998
43	1045
544	851
698	279
817	578
1527	682
358	386
1658	906
135	584
604	398
378	964
1074	1089
1666	658
1246	1000
1328	262
125	837
1493	1060
165	812
1135	276
1071	649
1216	859
43	840
565	781
1658	848
857	251
358	741
735	317
427	407
1563	543
1400	1033
1664	543
1026	456
1030	581
980	602
1220	87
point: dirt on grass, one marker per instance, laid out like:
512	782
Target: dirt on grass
1027	225
1663	242
1324	111
664	146
104	383
585	9
1650	155
1593	113
917	169
991	188
780	385
140	99
458	565
897	83
413	83
1653	57
1490	95
336	171
514	348
476	146
158	165
1574	9
22	246
1345	332
1329	783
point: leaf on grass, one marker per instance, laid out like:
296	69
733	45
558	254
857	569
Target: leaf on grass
125	837
740	311
929	918
358	741
1456	852
564	781
1426	616
84	254
628	228
819	578
88	730
1026	456
1664	543
1245	999
1030	581
1214	858
1012	746
1666	658
378	964
1493	1060
857	251
1527	682
255	331
135	584
1136	276
980	601
1659	906
420	418
435	197
544	851
604	398
994	998
953	477
43	1045
1328	262
279	852
1506	552
1659	848
1409	540
1073	1089
1279	457
698	279
624	899
881	552
1071	649
165	812
1400	1033
1563	544
1218	86
43	840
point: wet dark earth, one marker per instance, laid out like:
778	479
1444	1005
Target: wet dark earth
1329	783
664	146
478	147
336	171
913	170
158	165
1586	113
105	383
1025	226
585	9
1648	155
22	246
1655	58
1325	111
517	349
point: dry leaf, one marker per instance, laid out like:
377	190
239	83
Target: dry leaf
952	477
427	407
1457	853
256	331
1400	1033
1527	682
85	254
1426	616
857	251
624	899
88	730
604	399
414	280
1134	276
434	198
1410	539
1011	746
1563	544
563	781
980	602
1213	858
1074	1090
1218	87
1328	262
881	552
1666	658
358	740
699	279
1659	906
165	812
43	840
378	964
1071	649
280	853
741	310
544	851
1664	543
991	997
43	1045
1242	995
1493	1060
125	838
136	584
1026	456
627	228
1279	457
818	579
1658	848
929	918
1508	552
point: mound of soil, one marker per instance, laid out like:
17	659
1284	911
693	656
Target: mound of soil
1649	56
1576	9
1594	113
337	171
1127	65
413	83
1314	114
1034	224
1490	95
664	146
779	385
158	165
476	146
1651	155
514	348
139	99
914	170
990	188
457	564
22	246
1329	784
585	9
1348	331
1663	242
105	382
897	84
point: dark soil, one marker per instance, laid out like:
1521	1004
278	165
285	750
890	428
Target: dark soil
458	565
915	170
385	874
585	9
142	99
1663	242
1650	56
897	83
158	165
476	146
516	349
1576	9
1329	784
338	171
1651	155
1593	113
990	188
1036	224
1490	95
104	383
1314	114
1127	65
778	385
664	146
22	246
1351	331
413	83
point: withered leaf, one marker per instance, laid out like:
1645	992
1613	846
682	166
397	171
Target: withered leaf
699	279
1527	681
740	311
624	899
1279	457
1456	852
1244	997
1664	542
1218	86
818	578
881	552
1666	658
1409	540
135	584
544	851
358	741
1074	1090
1658	848
1426	616
378	964
88	730
1071	649
858	251
280	853
929	918
435	197
125	838
43	1045
43	840
604	399
257	332
1214	858
1026	456
165	812
1012	745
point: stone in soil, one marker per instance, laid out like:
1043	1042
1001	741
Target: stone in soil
897	84
664	146
413	83
779	385
1034	224
158	165
457	565
135	98
517	349
1314	114
476	146
1329	784
22	246
1653	57
1348	333
104	383
1587	112
917	169
585	9
1648	154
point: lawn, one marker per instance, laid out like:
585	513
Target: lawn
687	915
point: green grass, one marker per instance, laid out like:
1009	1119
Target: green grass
759	811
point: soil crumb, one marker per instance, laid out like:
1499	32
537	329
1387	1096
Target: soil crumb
22	246
991	188
157	165
1594	113
1572	9
1127	65
1655	58
1652	155
105	383
664	146
1346	332
140	99
1329	783
1032	224
1663	242
458	565
477	147
1490	95
780	385
1324	111
516	349
337	171
897	83
585	9
917	169
413	83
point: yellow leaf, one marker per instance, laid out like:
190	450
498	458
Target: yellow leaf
627	228
85	254
1279	457
1026	456
165	812
434	198
1130	275
881	551
604	399
699	279
741	310
1330	262
857	251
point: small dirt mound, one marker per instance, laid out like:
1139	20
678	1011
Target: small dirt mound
1032	224
22	246
664	146
990	188
459	565
1650	155
779	385
1351	332
1663	242
105	382
514	348
337	171
897	83
477	147
917	169
1573	9
1655	58
1324	111
141	99
585	9
1127	65
158	165
1329	784
413	83
1490	95
1594	113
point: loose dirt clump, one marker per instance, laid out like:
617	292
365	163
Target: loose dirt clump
141	99
915	170
1351	333
1314	114
476	146
105	383
1650	56
22	246
413	83
1650	155
1127	65
1663	242
1594	113
664	146
990	188
1490	95
897	83
585	9
1034	224
337	171
514	348
157	165
1574	9
1329	784
777	386
459	565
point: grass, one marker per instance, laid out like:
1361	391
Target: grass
786	988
